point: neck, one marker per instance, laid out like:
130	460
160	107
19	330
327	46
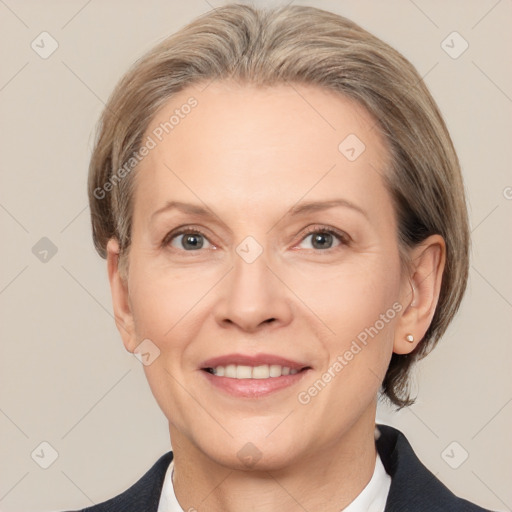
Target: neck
326	479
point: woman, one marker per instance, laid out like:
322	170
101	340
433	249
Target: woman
283	217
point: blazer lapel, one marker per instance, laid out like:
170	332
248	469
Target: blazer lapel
144	495
413	486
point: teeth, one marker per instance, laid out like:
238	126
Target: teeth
265	371
275	370
230	371
243	372
260	372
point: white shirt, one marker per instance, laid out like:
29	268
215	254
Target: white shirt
371	499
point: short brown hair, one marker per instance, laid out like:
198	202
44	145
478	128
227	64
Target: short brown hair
304	45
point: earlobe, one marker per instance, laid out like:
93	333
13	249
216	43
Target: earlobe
120	296
421	289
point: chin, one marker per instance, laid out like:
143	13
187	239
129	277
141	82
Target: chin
252	459
256	452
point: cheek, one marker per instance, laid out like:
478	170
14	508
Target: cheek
356	309
164	301
352	296
166	306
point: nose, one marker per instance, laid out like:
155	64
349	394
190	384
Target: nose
253	297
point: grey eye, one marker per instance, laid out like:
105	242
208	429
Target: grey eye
189	241
321	240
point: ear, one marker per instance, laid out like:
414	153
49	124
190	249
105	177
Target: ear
421	286
120	297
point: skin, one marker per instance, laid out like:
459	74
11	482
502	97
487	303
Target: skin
249	155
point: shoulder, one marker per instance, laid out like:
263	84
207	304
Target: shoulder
143	495
413	486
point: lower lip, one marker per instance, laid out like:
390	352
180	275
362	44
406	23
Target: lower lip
254	388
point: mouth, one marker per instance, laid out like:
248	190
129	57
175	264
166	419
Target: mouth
264	371
253	376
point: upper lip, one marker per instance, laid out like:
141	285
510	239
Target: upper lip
252	360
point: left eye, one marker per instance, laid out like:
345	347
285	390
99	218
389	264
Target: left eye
190	240
324	238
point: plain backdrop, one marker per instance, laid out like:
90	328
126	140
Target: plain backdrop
65	377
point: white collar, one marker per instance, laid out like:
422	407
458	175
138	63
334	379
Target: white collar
371	499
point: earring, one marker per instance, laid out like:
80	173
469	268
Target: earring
410	338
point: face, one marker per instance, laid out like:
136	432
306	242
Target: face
264	268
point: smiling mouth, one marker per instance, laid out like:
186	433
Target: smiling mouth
242	372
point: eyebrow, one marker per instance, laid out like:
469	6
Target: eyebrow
299	209
185	208
315	206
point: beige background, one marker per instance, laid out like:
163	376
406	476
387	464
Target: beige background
65	376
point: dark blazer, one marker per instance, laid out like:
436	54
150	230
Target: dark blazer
413	487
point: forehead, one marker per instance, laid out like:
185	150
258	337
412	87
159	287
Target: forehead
247	144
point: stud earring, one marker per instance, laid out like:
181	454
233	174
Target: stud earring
410	338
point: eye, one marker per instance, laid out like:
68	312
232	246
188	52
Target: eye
187	239
191	239
323	238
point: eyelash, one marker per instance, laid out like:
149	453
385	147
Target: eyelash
342	237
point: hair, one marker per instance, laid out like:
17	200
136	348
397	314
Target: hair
309	46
